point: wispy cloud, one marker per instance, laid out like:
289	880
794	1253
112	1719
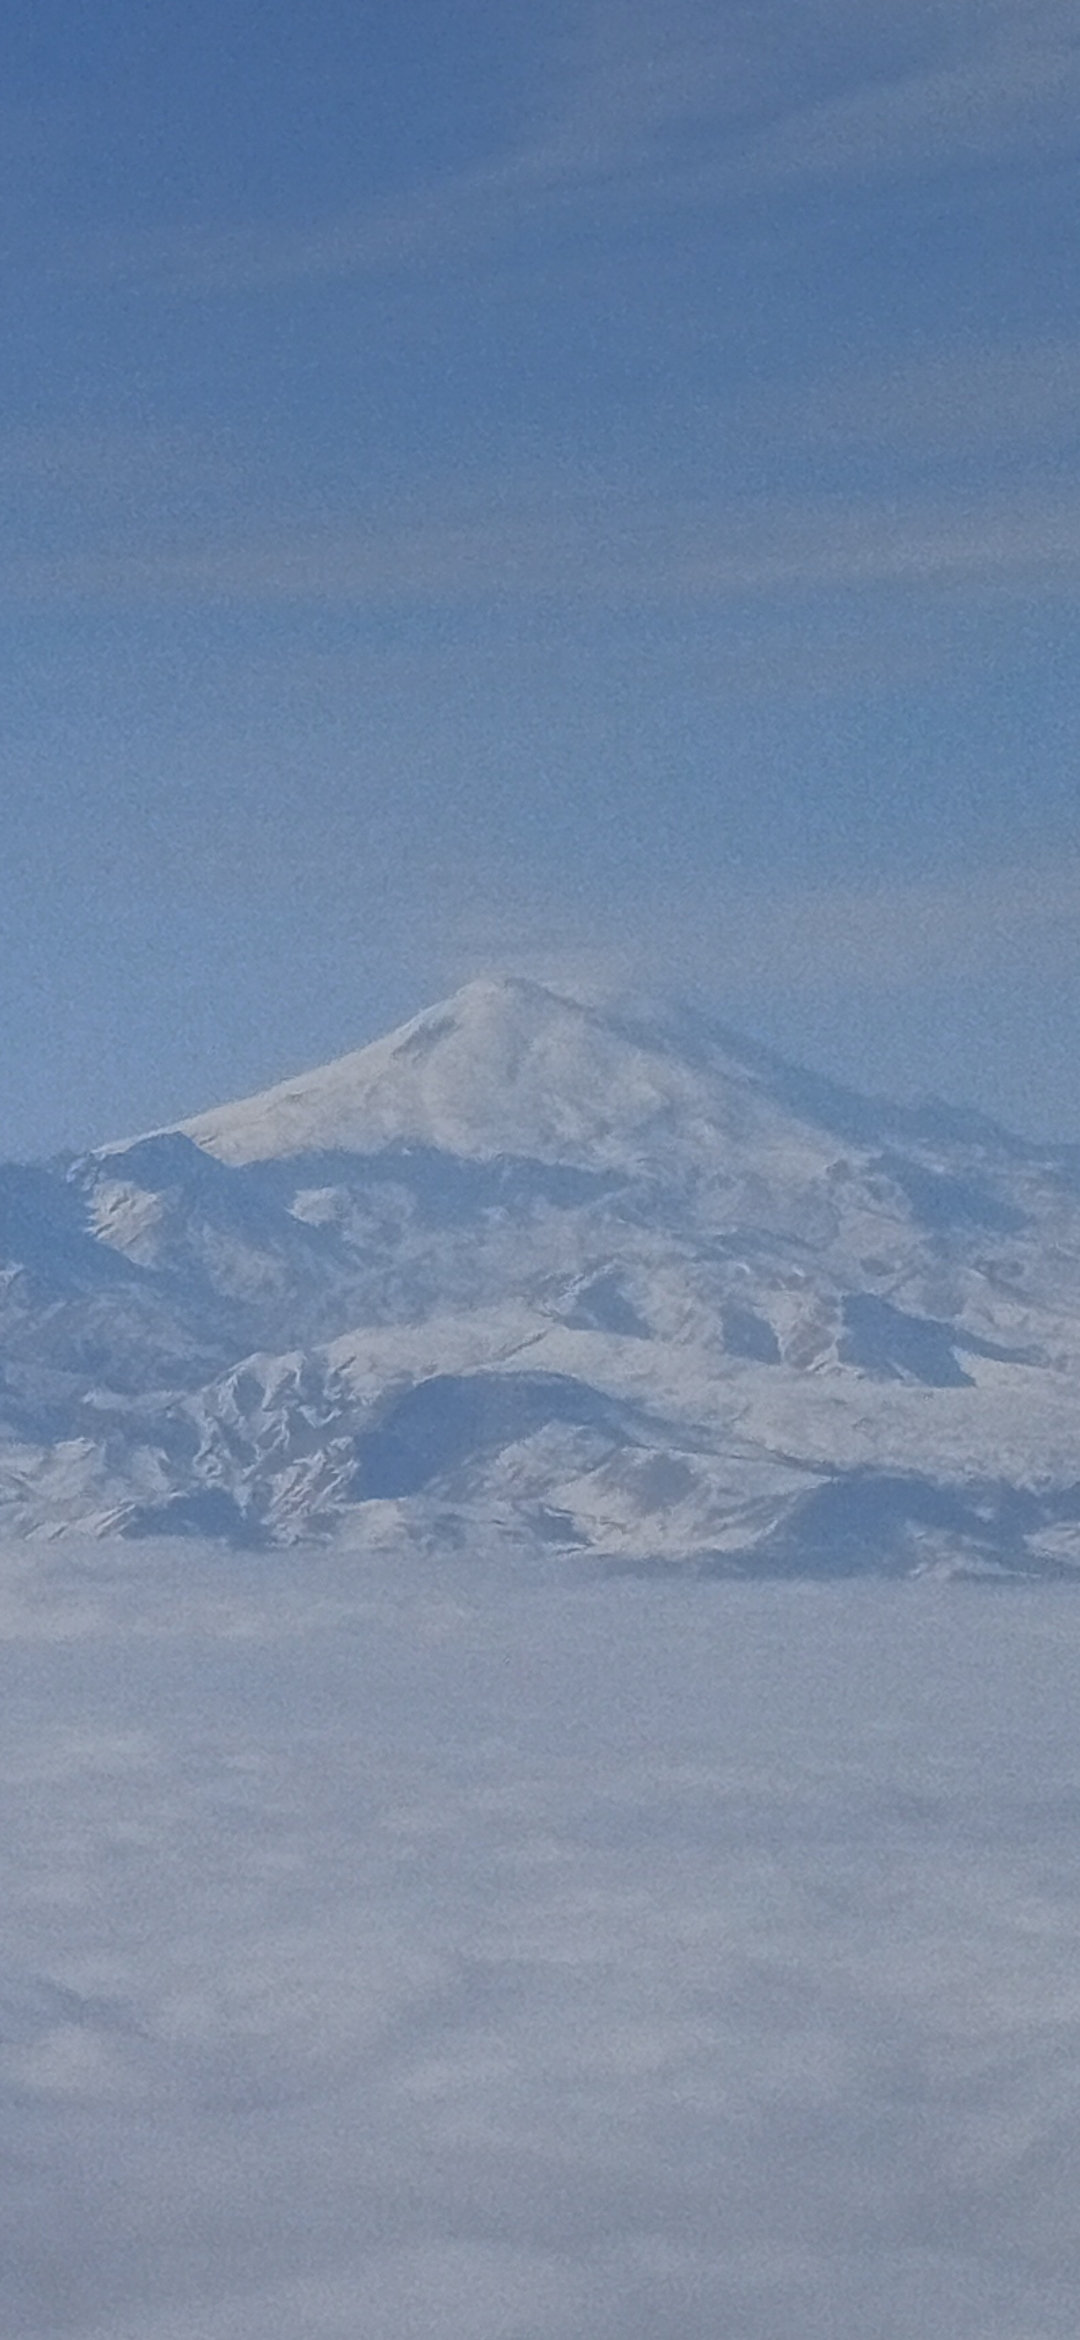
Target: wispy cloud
967	398
117	517
612	549
997	82
744	938
699	106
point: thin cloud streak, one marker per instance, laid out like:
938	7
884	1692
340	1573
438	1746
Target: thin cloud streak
1014	94
610	552
660	114
753	937
968	398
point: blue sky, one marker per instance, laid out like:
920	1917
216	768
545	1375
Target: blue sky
583	487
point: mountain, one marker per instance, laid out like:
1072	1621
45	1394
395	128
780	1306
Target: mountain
537	1275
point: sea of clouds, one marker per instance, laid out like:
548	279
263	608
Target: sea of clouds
455	1957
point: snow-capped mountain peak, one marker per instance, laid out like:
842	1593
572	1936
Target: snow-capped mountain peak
510	1067
544	1271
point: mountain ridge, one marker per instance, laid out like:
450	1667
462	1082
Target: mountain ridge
605	1279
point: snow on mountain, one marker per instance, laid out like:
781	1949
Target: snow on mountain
538	1274
513	1068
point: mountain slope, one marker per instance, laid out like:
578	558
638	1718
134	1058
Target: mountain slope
534	1273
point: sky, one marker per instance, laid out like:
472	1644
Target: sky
508	1962
587	488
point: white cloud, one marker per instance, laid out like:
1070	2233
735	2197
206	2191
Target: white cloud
454	1954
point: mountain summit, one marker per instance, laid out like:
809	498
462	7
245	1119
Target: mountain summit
537	1273
514	1067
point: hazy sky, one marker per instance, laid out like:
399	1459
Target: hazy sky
585	484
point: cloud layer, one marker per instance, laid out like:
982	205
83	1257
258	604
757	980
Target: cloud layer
511	1961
